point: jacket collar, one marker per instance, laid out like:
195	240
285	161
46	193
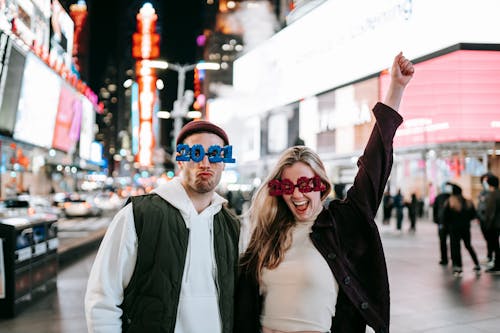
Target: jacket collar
324	219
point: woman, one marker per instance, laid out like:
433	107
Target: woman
309	269
388	205
457	214
399	205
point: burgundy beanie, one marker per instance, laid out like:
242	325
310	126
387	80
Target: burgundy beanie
201	126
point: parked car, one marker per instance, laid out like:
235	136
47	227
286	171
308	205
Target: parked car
80	207
76	205
20	208
15	208
41	204
108	201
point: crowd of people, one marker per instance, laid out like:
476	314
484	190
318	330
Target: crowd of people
413	204
171	260
453	214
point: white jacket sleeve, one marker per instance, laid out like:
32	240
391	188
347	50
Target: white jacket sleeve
111	273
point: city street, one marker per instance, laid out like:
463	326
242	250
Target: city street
425	297
102	101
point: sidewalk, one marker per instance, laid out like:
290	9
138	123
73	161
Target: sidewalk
425	297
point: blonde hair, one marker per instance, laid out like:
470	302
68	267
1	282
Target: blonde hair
270	217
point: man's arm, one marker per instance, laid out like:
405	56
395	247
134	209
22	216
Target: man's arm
111	273
490	210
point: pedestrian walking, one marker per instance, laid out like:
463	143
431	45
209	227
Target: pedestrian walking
481	215
413	209
493	221
457	215
399	205
387	206
437	217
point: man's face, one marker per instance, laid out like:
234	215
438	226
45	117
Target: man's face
201	177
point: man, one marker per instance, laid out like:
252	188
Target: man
169	259
398	202
481	215
443	231
492	224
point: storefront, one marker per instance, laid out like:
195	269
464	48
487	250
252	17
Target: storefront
44	121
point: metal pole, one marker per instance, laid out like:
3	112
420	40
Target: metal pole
179	108
178	113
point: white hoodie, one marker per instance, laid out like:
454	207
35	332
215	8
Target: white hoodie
198	310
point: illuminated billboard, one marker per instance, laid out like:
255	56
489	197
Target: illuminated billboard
454	97
340	42
68	120
37	108
61	35
10	86
87	129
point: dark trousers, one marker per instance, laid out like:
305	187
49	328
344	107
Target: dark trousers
493	235
456	255
399	218
413	220
387	215
489	245
443	233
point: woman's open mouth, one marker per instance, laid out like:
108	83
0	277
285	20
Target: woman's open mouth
301	206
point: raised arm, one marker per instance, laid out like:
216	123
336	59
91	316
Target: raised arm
375	165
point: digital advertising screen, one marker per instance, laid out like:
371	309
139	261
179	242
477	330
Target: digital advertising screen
87	129
61	35
453	97
96	153
37	108
40	23
68	119
10	87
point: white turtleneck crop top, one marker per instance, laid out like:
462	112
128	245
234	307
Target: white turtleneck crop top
301	293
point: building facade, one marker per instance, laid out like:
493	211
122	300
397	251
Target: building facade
317	79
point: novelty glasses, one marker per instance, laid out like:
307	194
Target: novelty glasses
304	184
196	153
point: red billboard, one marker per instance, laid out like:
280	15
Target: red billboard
68	120
454	97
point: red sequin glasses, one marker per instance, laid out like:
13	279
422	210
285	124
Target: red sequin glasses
304	184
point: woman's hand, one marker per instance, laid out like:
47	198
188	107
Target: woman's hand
401	73
402	70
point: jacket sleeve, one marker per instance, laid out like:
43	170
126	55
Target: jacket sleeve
374	166
111	273
492	200
247	304
444	215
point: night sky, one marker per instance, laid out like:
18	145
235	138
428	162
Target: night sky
112	23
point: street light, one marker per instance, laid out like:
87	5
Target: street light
184	98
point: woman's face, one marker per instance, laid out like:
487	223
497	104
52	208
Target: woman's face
304	206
